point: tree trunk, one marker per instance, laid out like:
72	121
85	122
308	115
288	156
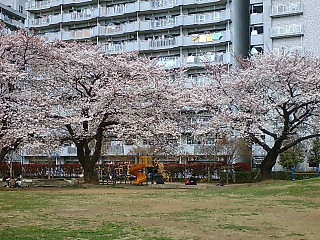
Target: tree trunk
5	150
3	153
90	175
267	164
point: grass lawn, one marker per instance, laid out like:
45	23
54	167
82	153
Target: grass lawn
274	210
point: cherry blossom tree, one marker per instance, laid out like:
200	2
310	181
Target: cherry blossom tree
18	114
94	95
271	99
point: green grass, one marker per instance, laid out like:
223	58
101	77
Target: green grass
162	214
107	231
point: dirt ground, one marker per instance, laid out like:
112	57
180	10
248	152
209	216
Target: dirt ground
214	213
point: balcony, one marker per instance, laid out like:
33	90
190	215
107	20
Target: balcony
11	21
256	18
169	62
162	43
288	51
113	29
38	5
45	21
114	150
207	39
158	4
118	9
194	61
199	80
83	15
78	34
209	17
163	23
256	39
50	37
113	48
287	31
202	60
286	9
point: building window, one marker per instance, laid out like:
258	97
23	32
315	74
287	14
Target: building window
20	9
256	9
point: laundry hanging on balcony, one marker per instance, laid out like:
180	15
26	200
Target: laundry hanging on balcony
217	36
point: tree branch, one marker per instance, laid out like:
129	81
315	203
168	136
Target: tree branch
292	144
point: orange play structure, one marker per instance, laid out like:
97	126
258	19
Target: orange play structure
134	170
146	162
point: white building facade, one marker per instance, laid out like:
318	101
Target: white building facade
13	13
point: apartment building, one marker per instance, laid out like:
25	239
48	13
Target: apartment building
179	32
13	13
284	26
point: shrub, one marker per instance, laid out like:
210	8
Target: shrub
247	176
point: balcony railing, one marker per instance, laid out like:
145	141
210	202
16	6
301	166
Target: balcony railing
49	37
169	62
112	28
208	37
114	150
85	13
199	80
298	49
287	30
81	33
284	9
43	4
205	17
166	22
41	21
165	42
113	47
11	21
116	9
162	3
203	59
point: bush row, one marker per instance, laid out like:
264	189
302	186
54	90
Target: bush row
42	170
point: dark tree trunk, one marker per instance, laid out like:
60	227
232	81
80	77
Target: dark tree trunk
4	151
88	163
267	164
90	175
86	156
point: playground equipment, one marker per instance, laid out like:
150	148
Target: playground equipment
145	168
134	170
154	167
161	170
